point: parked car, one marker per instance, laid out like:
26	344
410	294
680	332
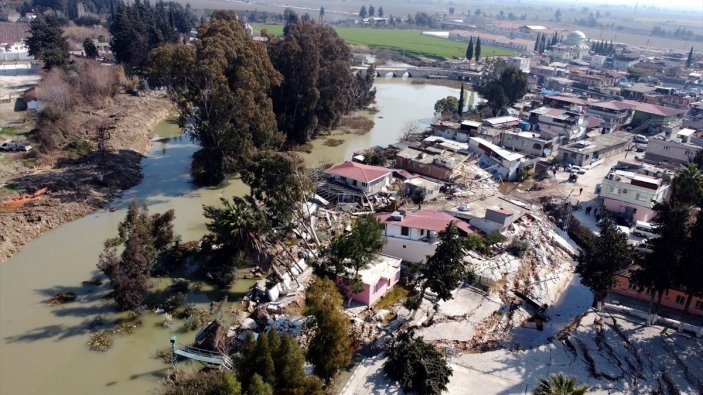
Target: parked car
640	139
15	146
644	246
576	169
643	229
641	147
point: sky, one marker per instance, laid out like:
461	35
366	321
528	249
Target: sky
694	5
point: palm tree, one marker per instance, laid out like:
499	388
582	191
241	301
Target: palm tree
558	384
239	226
688	185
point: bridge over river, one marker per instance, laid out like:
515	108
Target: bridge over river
421	72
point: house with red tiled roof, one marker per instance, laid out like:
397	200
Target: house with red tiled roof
414	236
366	178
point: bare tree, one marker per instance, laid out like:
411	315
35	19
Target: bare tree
410	130
56	91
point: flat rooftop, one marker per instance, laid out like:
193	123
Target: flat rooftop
478	207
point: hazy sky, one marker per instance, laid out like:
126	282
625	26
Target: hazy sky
691	5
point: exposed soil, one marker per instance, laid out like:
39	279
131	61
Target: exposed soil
73	188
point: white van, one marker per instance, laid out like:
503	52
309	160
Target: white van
643	229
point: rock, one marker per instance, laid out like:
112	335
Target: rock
381	315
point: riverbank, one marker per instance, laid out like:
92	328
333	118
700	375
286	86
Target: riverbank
63	187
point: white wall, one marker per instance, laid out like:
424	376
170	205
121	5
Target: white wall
408	250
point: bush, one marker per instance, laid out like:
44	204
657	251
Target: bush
81	148
517	248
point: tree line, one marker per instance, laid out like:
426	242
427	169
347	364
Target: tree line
370	12
543	43
603	48
237	96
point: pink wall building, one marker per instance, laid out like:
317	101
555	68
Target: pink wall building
673	298
377	279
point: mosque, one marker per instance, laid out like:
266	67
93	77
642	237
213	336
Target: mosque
574	46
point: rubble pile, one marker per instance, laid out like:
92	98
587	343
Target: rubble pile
481	321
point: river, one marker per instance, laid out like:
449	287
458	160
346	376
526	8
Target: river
43	348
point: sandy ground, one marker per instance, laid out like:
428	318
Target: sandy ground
610	353
14	83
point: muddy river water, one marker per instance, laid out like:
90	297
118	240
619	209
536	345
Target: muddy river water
43	348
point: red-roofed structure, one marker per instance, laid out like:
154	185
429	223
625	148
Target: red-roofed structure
366	178
413	236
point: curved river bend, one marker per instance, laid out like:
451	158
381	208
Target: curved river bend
43	348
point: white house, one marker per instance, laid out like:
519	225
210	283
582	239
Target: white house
414	236
498	161
632	194
366	178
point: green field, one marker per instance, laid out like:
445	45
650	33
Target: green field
409	41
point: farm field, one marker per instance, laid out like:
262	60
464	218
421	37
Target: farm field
410	41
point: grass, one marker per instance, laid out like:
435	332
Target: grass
397	293
9	131
411	42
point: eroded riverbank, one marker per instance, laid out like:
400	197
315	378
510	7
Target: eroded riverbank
67	189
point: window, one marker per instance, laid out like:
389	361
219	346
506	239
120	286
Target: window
699	305
536	146
642	197
632	286
422	232
680	299
404	230
363	184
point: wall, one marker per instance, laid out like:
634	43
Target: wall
429	169
673	152
524	144
635	195
374	187
641	214
668	300
408	250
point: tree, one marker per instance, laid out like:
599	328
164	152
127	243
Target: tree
46	42
602	258
297	57
144	238
372	11
558	384
477	50
555	39
470	49
543	43
278	181
557	15
690	276
239	227
670	222
350	253
139	27
331	348
687	186
460	106
417	365
505	88
362	12
258	386
380	12
448	105
689	59
451	10
536	49
477	12
91	51
225	98
322	13
206	382
443	270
